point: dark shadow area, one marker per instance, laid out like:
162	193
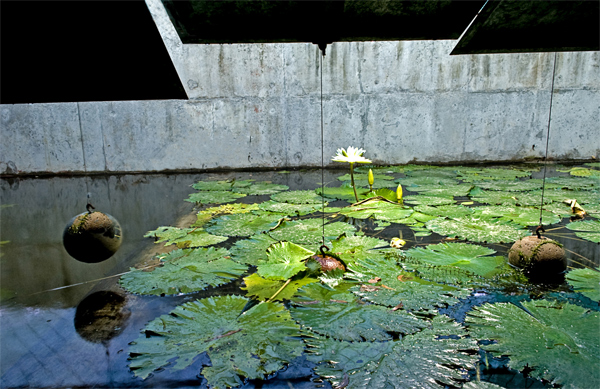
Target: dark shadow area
67	51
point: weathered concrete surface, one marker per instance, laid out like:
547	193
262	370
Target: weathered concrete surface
258	105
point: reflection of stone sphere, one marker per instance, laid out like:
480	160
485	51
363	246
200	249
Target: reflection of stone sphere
101	316
540	258
92	237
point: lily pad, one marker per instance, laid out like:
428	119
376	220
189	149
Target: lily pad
284	260
478	229
239	347
574	183
520	215
251	250
533	198
345	193
263	288
586	229
326	311
310	232
214	197
298	197
515	186
289	209
435	357
364	177
208	214
547	336
242	224
443	190
581	172
213	185
475	174
470	257
381	210
261	188
184	237
585	281
449	211
186	274
428	200
353	248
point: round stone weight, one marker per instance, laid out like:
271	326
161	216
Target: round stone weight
92	237
541	259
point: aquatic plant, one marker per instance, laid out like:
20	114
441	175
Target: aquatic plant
586	229
585	281
352	155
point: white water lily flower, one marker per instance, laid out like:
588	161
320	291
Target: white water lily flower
352	155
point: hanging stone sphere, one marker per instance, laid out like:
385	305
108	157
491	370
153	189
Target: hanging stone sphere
328	263
541	259
92	237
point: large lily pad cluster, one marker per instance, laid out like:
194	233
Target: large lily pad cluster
379	322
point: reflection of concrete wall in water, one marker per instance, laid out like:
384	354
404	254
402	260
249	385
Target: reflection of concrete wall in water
258	105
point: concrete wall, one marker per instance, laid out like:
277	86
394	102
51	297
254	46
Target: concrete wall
258	105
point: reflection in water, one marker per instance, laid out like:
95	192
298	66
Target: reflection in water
101	316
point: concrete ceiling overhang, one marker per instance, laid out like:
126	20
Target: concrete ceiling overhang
509	26
266	21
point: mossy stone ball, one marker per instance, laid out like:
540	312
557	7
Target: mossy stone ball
538	257
92	237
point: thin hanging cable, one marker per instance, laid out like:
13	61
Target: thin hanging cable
547	138
322	156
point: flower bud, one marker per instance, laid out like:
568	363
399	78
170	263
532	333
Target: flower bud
371	178
399	192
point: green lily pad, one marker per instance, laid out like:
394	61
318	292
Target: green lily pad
381	210
550	337
593	164
261	188
449	211
310	232
581	172
470	257
214	197
328	312
239	347
353	248
583	197
186	274
263	288
586	229
242	224
289	209
345	193
443	190
298	197
213	185
411	183
533	198
574	183
365	177
478	229
208	214
434	171
585	281
435	357
515	186
485	174
184	237
428	200
397	286
520	215
284	260
251	250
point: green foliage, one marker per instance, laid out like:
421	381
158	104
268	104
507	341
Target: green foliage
261	188
478	229
289	209
213	185
574	183
533	198
437	356
340	315
206	215
184	237
353	248
252	345
363	176
195	271
585	281
251	250
284	260
263	288
515	186
520	215
449	211
310	232
298	197
470	257
397	286
214	197
343	192
242	224
586	229
379	209
443	190
550	337
425	180
581	172
485	174
428	200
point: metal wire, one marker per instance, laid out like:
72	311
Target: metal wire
322	155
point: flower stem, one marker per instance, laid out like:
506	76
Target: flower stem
352	179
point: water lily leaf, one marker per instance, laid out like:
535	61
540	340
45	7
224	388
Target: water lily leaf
515	186
434	171
206	215
213	185
364	177
582	196
298	197
449	211
435	357
263	289
284	260
261	188
214	197
549	337
190	273
353	248
580	171
411	182
470	257
185	237
326	311
238	345
381	210
378	184
484	174
585	281
593	164
428	200
443	190
310	232
574	183
242	224
251	250
289	209
533	198
520	215
586	229
478	229
397	286
561	209
481	385
345	193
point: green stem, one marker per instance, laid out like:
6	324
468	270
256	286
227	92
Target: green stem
352	179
